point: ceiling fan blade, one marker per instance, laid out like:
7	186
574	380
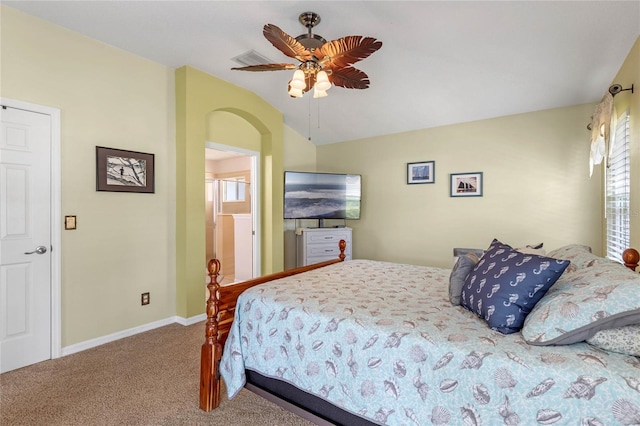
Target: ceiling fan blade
350	78
346	51
285	43
267	67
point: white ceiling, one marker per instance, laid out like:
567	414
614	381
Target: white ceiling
442	62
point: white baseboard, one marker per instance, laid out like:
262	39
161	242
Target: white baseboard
192	320
92	343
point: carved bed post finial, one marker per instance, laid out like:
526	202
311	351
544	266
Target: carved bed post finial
630	257
342	245
211	349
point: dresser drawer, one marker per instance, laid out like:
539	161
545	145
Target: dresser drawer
328	237
325	249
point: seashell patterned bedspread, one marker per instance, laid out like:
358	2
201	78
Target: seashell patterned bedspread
382	340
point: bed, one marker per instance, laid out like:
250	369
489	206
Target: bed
371	342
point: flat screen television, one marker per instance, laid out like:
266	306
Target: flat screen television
321	195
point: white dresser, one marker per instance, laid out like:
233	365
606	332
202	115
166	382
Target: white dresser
315	245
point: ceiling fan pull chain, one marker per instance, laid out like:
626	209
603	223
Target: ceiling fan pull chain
310	119
318	113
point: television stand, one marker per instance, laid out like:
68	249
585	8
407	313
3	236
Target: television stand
321	224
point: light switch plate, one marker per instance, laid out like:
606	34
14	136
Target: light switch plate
69	222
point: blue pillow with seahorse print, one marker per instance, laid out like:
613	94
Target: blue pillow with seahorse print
505	285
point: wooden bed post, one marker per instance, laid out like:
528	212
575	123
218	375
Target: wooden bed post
630	257
342	245
211	349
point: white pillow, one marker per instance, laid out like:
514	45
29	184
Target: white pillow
625	340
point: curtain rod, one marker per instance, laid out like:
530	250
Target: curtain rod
614	89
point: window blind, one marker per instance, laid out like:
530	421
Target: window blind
617	195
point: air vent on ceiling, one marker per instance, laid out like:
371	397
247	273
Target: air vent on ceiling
251	58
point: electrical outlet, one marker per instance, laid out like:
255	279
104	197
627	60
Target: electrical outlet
144	299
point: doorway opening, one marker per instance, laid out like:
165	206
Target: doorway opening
232	211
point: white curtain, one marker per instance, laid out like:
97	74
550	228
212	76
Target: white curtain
602	120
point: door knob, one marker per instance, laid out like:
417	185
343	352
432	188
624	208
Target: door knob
39	250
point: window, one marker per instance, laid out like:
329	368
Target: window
617	191
233	189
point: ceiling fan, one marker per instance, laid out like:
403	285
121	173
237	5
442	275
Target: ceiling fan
322	63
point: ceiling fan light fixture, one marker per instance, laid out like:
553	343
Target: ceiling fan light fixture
295	93
322	81
319	93
297	82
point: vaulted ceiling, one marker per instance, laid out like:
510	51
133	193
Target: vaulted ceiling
442	62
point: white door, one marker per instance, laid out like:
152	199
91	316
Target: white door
25	238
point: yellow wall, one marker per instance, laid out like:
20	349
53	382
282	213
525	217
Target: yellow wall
124	243
198	97
230	129
536	176
299	155
536	187
629	74
112	98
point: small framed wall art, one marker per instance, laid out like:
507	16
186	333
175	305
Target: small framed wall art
124	171
422	172
466	184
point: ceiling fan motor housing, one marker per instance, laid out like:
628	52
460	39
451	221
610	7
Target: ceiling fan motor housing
309	19
309	40
310	66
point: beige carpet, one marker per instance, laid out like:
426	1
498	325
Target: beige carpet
148	379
